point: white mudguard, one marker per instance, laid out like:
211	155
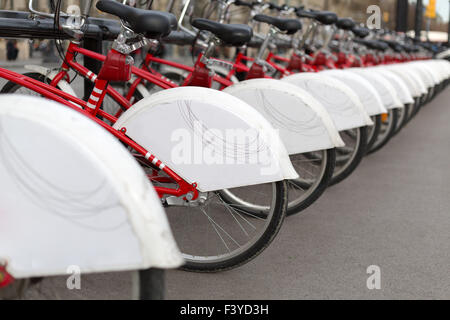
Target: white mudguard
401	89
208	137
382	85
366	92
423	74
304	124
72	195
441	67
443	55
426	66
413	75
341	102
410	83
63	84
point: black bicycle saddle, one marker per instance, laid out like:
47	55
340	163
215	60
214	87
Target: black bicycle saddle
290	26
324	17
232	34
345	23
153	24
361	32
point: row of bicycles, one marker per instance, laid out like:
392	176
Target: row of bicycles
221	150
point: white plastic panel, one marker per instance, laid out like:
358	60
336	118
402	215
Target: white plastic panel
401	88
71	194
341	102
205	135
412	74
366	92
410	83
382	85
304	124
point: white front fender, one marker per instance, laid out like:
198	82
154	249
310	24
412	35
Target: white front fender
71	194
363	88
412	74
443	55
341	102
193	131
304	124
428	72
413	89
382	85
402	90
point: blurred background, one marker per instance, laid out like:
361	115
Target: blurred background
357	9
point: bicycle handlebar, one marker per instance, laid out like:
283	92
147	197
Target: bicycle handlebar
275	6
244	3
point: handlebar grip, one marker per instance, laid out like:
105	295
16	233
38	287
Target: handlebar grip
275	6
243	3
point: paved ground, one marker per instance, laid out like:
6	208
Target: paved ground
393	212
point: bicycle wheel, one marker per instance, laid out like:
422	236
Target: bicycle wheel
142	285
412	109
111	106
349	157
229	227
12	87
403	114
373	131
315	170
389	123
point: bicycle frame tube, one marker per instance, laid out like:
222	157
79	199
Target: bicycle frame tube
150	58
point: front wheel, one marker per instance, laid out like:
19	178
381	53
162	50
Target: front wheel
373	131
403	114
349	156
315	170
388	126
228	227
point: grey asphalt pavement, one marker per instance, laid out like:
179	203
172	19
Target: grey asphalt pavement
393	212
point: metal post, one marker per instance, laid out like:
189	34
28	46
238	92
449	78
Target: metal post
401	21
93	45
418	20
86	7
91	64
448	24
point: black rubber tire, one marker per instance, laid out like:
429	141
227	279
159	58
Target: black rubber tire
420	104
376	131
413	108
360	153
389	135
323	184
152	284
262	243
402	121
